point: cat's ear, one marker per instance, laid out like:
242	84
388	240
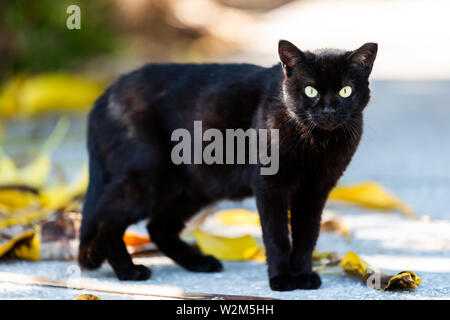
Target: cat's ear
290	55
364	57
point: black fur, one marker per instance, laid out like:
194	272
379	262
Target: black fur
132	176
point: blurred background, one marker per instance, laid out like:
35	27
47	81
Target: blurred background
48	71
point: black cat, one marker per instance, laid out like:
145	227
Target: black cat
315	99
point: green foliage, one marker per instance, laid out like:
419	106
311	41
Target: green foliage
34	36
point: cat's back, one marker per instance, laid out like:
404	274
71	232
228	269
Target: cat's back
179	93
198	71
187	77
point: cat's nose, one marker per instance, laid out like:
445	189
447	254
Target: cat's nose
329	110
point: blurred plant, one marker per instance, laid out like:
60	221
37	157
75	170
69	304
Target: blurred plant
34	36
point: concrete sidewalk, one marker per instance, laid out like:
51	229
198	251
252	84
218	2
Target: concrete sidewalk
386	241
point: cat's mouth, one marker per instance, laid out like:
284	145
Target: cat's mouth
327	124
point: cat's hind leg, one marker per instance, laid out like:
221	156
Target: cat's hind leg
116	210
165	228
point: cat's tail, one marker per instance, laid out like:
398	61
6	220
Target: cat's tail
96	187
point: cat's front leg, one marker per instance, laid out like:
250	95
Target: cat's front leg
306	209
272	206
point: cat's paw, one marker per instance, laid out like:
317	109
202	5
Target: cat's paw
308	281
134	273
89	259
283	282
203	264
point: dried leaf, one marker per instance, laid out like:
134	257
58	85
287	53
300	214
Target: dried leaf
237	217
353	265
28	96
240	248
12	200
335	225
20	241
133	240
87	297
9	94
29	250
370	195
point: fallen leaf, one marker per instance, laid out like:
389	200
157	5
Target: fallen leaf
29	250
8	96
336	225
353	265
12	199
133	240
370	195
237	217
87	297
28	96
240	248
240	217
20	241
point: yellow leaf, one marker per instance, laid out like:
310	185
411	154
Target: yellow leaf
55	198
20	239
56	92
353	265
260	256
28	250
87	297
403	280
240	248
370	195
8	96
237	217
11	234
14	199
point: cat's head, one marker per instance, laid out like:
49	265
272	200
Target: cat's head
326	88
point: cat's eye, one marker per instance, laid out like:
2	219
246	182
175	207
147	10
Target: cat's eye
345	92
311	92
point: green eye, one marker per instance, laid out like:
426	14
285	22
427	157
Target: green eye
345	92
311	92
